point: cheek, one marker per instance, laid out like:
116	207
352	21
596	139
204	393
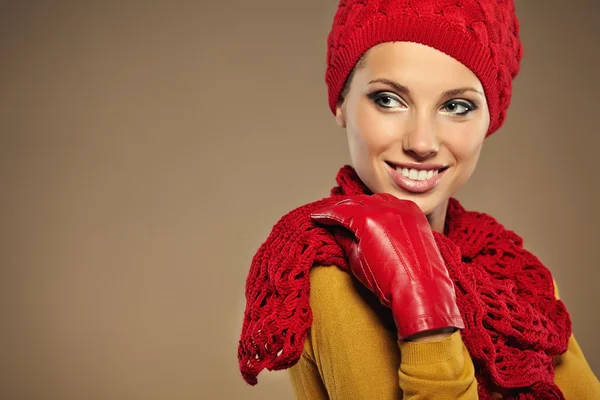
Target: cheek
369	131
467	154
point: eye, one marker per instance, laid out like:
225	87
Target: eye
458	107
386	100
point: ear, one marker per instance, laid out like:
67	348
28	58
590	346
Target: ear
340	114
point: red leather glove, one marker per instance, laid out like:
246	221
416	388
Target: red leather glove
392	251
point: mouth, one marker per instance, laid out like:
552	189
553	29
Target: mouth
416	178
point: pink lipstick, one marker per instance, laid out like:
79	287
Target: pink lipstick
416	178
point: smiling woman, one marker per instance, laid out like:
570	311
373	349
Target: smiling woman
389	288
415	119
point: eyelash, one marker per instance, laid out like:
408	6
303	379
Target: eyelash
470	106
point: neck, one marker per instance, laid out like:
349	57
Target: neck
437	218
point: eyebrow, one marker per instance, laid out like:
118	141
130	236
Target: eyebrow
403	89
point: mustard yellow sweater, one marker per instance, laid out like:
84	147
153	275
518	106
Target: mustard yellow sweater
352	352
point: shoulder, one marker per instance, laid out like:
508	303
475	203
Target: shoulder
331	291
337	300
331	286
555	289
327	281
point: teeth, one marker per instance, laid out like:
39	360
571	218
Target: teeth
417	175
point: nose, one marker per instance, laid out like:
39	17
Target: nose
421	140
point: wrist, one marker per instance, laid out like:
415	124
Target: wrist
433	352
431	335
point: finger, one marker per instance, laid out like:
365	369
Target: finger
344	237
339	214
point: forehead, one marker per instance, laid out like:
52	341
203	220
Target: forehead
408	62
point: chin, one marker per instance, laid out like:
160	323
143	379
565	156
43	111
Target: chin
426	206
428	203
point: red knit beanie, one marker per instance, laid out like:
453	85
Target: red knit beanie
481	34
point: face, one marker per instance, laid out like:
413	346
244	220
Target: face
416	120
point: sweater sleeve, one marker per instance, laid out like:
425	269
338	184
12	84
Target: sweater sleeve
351	351
572	373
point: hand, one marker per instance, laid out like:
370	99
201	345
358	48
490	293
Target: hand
392	251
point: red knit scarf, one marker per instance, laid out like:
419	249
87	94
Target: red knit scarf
514	326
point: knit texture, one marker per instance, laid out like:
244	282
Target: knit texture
514	326
481	34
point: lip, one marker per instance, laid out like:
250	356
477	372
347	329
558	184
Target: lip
412	186
417	166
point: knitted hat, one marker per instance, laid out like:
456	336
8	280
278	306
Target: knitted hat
481	34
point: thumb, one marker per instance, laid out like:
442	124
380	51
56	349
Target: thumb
344	238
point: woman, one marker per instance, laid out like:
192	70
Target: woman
411	296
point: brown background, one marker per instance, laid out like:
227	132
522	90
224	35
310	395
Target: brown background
146	149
